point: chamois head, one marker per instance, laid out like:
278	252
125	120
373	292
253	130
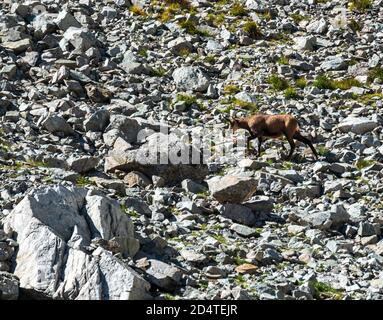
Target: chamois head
234	124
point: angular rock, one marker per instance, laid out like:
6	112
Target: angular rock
80	39
243	231
159	157
9	286
98	121
65	20
238	213
54	227
163	275
190	79
18	46
82	164
55	123
305	43
359	125
233	189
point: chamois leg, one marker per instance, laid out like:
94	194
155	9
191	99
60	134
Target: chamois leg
299	137
260	140
292	147
250	151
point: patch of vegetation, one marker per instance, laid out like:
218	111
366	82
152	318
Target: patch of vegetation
287	165
354	25
143	52
158	72
130	212
322	150
173	7
216	19
291	93
323	82
35	163
203	284
267	15
346	84
239	261
249	106
203	194
238	9
184	4
297	17
187	99
189	25
231	89
360	5
252	29
362	163
83	181
220	238
210	59
324	291
168	296
184	52
278	83
283	60
301	82
137	10
375	73
370	98
240	280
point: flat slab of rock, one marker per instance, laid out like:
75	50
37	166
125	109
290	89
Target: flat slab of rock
246	268
238	213
192	256
18	46
357	125
243	231
158	157
233	189
82	164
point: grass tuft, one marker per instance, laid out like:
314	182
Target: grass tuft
238	10
278	83
251	28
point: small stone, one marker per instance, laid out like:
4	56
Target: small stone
246	268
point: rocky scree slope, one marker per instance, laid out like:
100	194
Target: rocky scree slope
84	217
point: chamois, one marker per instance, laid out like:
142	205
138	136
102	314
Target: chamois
271	126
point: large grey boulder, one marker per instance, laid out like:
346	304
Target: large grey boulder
190	78
334	63
55	123
163	275
305	43
130	129
65	20
80	39
131	64
165	156
357	125
55	227
234	189
82	164
238	213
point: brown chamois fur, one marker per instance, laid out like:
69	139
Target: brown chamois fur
271	126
